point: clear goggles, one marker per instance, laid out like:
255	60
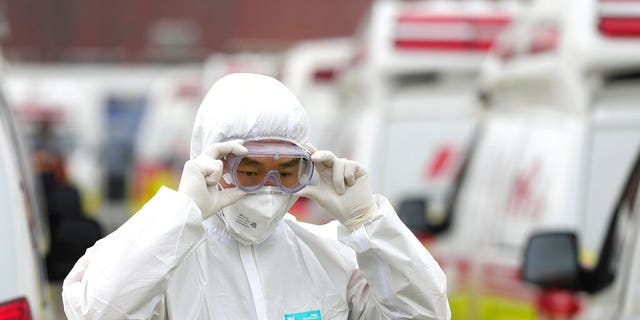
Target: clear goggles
269	163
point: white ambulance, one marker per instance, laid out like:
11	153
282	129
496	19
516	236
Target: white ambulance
559	138
311	69
23	231
608	290
410	104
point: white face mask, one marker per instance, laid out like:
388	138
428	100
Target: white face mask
255	217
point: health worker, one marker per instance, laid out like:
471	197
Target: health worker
224	247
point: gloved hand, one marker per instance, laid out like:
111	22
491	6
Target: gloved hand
201	176
343	190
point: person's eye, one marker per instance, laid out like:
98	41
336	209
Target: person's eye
248	173
285	174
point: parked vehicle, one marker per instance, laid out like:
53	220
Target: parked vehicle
24	238
409	97
311	70
558	140
611	288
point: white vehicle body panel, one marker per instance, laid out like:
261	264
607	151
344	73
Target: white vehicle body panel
558	142
310	70
23	235
410	104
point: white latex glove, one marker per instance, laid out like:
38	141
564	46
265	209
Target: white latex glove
343	190
201	176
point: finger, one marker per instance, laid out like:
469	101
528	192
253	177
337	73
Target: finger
218	150
203	165
324	158
224	198
214	178
338	175
210	169
230	196
360	170
308	191
350	172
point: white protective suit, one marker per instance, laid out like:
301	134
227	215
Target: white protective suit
167	263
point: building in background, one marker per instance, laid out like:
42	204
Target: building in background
165	30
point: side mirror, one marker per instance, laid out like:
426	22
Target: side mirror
551	261
423	216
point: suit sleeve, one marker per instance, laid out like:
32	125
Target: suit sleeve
125	275
397	278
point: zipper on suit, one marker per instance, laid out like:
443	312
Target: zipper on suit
250	265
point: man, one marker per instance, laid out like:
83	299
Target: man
223	247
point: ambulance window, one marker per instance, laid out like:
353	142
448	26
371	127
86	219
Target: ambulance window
613	146
415	94
618	91
626	209
626	233
408	89
612	256
416	79
435	80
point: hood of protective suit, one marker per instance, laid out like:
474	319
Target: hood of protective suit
248	106
251	107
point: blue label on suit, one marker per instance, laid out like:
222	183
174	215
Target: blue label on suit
309	315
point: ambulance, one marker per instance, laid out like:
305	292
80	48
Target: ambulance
558	141
410	108
311	69
24	238
608	290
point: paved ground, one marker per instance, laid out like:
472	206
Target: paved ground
55	290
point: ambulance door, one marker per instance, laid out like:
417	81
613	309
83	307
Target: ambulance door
534	187
427	126
486	185
614	142
551	263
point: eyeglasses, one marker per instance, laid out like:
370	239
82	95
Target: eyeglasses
269	163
